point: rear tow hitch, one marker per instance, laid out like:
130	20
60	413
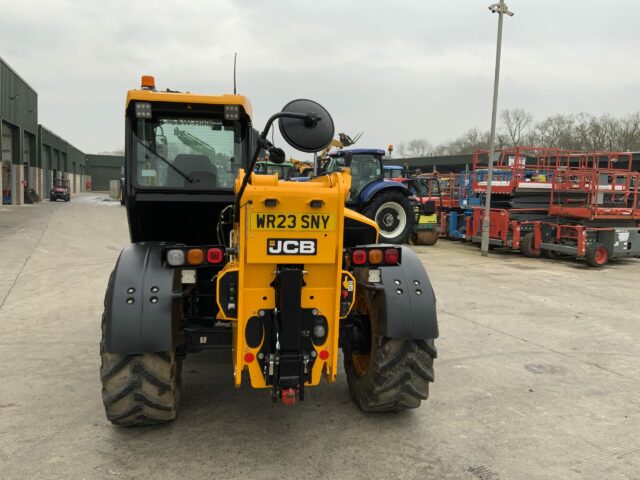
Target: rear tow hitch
288	396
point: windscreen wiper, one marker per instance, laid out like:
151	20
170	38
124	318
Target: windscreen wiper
176	169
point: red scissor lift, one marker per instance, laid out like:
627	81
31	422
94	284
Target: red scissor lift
453	197
521	184
595	210
440	189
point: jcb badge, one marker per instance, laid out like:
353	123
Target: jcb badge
291	246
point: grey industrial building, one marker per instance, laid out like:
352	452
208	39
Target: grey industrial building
104	168
32	155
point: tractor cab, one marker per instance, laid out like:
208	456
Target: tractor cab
284	170
382	200
393	171
183	153
366	169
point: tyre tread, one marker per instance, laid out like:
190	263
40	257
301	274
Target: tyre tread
399	376
139	389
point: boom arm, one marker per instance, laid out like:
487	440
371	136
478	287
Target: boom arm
344	141
194	142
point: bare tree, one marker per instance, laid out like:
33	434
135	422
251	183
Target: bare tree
630	132
583	131
401	150
473	139
420	147
415	148
554	131
516	122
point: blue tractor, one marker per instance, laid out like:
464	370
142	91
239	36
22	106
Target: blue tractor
386	202
393	171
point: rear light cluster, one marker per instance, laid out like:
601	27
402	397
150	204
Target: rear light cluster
375	256
194	256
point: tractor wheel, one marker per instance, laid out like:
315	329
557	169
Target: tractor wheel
426	237
393	213
393	375
597	255
526	246
139	389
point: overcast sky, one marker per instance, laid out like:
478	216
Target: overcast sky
397	70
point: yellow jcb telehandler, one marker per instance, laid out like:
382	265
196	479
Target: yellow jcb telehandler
279	274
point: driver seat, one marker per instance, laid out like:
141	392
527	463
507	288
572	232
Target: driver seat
198	167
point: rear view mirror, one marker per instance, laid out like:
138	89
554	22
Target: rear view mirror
311	134
305	125
276	155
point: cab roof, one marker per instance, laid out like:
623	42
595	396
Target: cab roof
356	151
186	97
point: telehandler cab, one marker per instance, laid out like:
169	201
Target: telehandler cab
280	274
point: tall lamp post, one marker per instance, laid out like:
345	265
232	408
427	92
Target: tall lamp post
501	9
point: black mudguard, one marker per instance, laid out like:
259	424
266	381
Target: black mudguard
137	319
406	309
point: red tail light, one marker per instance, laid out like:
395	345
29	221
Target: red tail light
359	257
214	255
375	256
391	256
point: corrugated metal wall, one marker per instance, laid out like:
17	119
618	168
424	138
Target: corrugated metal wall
19	122
18	101
104	168
24	141
59	158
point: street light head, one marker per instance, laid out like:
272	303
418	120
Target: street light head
501	8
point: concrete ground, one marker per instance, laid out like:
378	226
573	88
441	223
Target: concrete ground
538	375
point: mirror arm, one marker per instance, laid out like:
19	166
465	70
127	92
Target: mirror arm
264	143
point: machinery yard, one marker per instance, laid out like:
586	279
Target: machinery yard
314	259
537	376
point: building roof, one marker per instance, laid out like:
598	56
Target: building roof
3	61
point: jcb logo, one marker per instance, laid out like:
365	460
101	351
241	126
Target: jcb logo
291	246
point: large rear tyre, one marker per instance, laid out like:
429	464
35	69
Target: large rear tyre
527	248
139	389
393	213
597	255
395	373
